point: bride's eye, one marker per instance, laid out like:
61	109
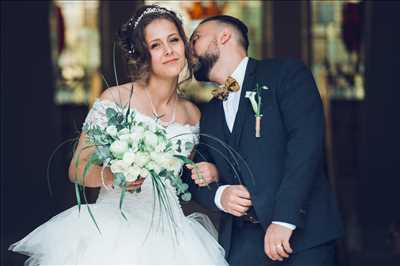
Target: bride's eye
154	45
176	39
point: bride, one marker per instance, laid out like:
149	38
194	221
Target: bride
157	52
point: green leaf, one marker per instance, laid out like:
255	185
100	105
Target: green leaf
189	146
87	167
78	196
121	199
90	211
186	197
184	159
110	113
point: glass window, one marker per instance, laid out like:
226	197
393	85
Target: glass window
75	50
337	48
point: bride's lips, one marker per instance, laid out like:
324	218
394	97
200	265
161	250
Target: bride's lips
171	61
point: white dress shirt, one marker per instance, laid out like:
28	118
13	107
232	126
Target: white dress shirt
231	106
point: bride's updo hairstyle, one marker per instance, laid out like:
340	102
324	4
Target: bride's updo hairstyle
131	39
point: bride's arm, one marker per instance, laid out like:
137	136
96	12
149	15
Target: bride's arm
93	177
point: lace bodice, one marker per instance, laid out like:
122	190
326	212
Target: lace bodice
176	131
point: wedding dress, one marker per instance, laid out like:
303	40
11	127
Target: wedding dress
143	238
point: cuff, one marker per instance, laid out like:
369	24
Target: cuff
217	198
290	226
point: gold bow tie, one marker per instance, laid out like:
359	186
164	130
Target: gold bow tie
223	91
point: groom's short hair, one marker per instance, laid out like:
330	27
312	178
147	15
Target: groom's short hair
234	22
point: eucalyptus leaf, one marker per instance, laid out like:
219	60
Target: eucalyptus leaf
186	197
189	146
110	113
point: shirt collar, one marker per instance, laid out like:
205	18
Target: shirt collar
240	71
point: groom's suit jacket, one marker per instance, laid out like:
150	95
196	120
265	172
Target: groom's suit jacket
285	174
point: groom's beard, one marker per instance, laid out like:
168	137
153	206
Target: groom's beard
204	65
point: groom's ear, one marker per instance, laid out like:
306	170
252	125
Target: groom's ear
225	36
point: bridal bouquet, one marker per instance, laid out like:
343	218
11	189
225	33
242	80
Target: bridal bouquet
132	150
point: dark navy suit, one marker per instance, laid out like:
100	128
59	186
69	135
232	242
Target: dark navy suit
289	183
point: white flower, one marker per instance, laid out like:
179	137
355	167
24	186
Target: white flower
136	137
161	147
157	156
144	172
132	173
126	137
153	166
150	139
112	131
170	162
175	165
119	147
137	129
129	158
251	95
123	131
141	159
118	166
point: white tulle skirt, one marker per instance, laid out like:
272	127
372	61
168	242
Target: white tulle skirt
71	238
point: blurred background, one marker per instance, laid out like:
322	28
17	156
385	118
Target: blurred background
56	56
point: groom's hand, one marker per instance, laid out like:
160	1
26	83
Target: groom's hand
276	242
203	173
235	199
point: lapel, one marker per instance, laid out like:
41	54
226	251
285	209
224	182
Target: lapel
220	127
244	109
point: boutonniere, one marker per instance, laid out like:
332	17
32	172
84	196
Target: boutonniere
255	100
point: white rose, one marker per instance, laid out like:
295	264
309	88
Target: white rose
136	136
157	156
173	164
137	129
132	173
128	157
153	166
141	159
150	139
112	131
144	172
118	166
161	147
126	137
123	131
119	147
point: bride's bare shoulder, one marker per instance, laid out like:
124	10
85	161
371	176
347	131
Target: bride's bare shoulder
191	110
116	93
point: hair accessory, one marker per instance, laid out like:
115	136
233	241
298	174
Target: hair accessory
146	12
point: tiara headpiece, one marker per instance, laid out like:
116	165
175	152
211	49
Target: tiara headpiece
146	12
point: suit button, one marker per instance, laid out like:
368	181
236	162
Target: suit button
302	211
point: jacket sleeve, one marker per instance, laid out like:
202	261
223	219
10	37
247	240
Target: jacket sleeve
302	112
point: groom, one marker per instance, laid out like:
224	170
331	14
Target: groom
280	208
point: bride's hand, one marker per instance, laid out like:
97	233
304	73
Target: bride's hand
130	186
203	173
